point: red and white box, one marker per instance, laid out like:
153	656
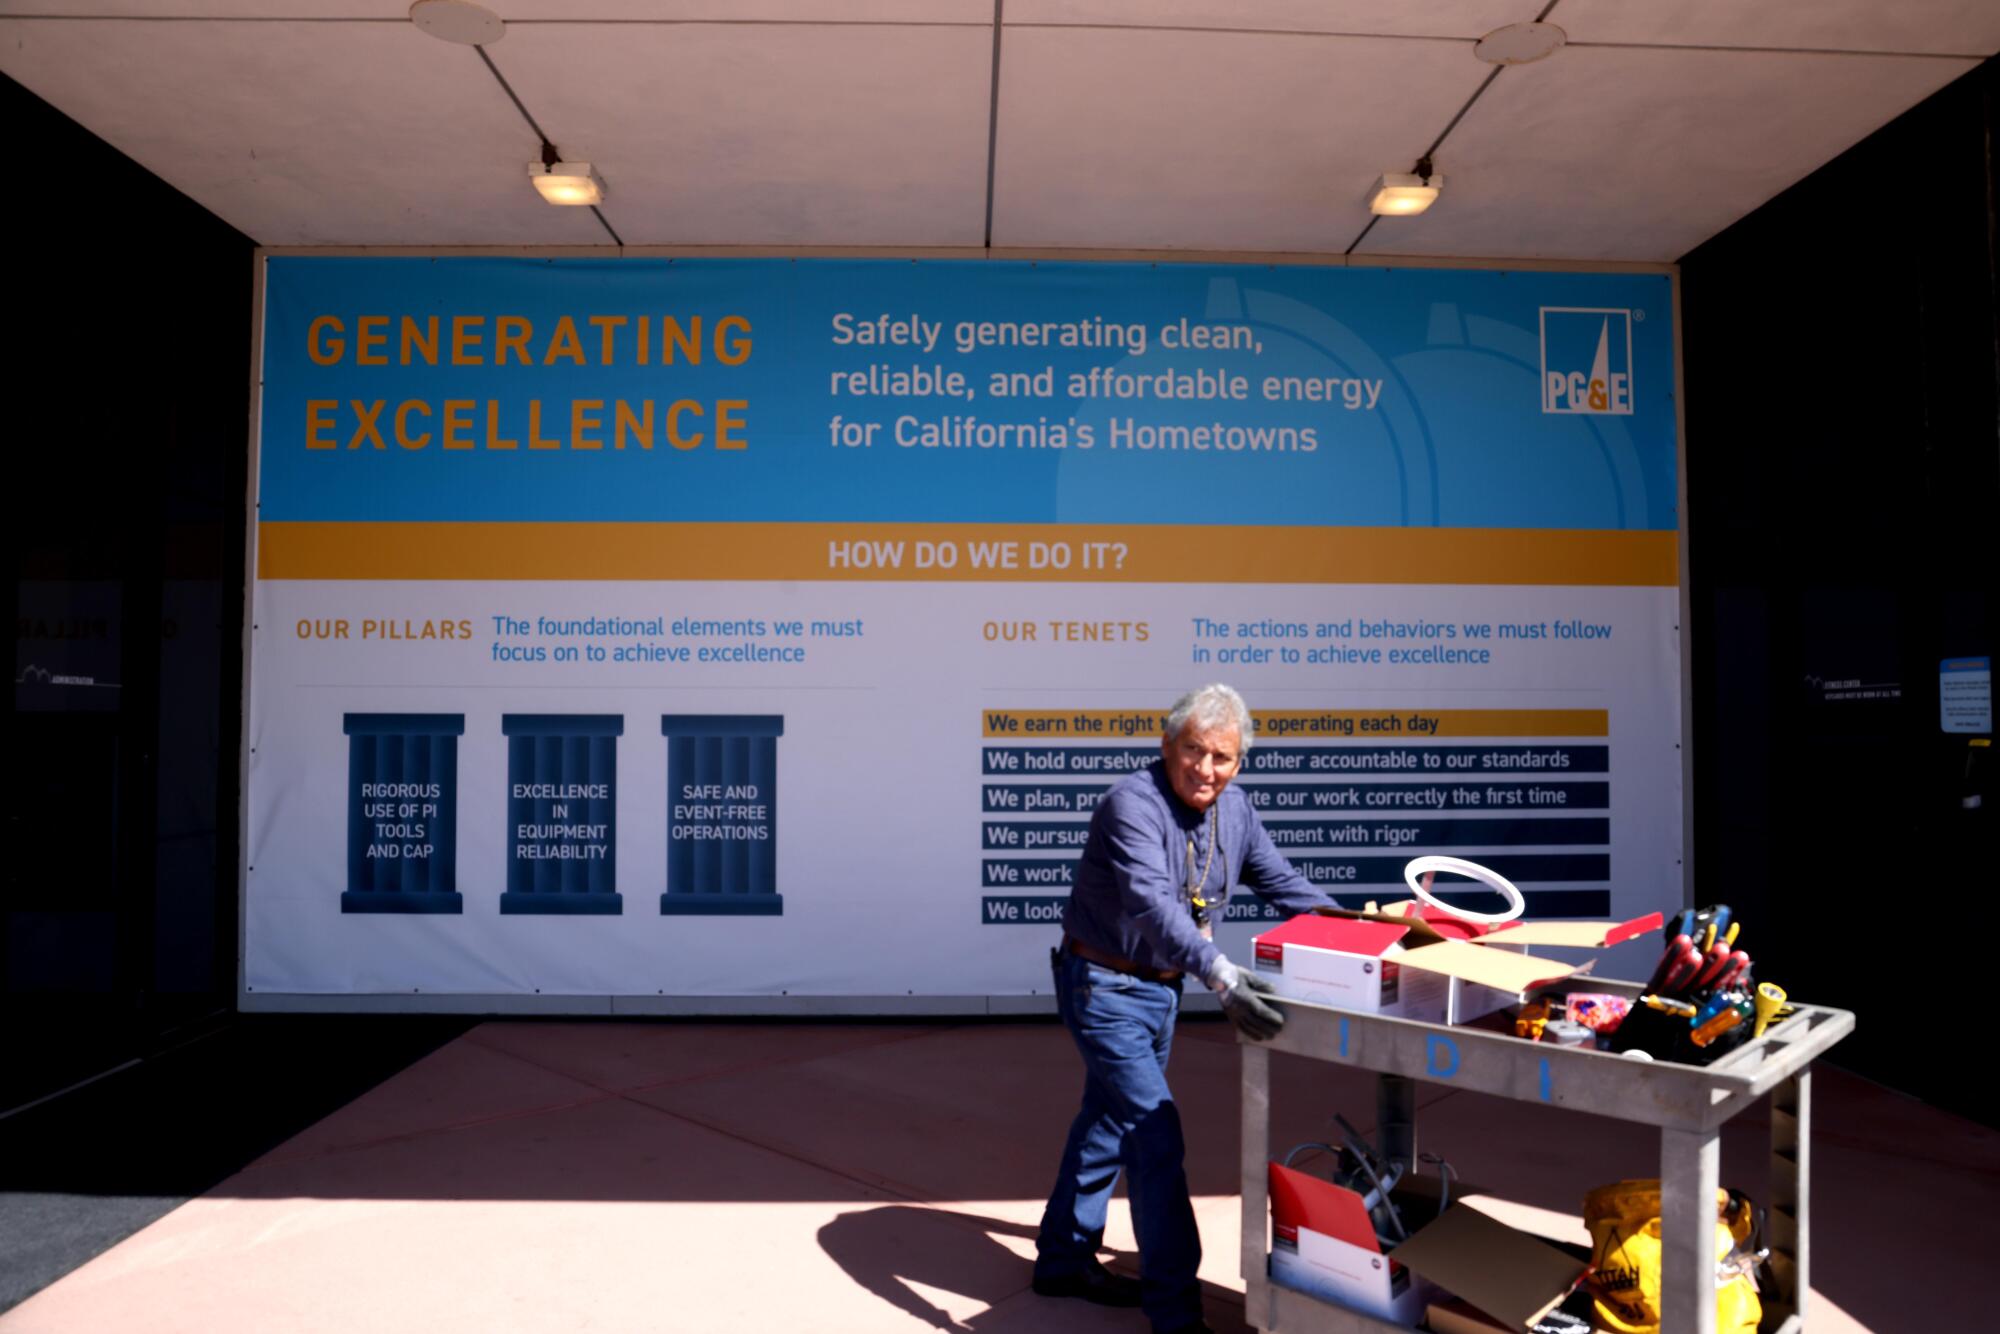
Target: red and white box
1422	965
1348	963
1322	1242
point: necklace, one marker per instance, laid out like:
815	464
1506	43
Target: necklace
1195	887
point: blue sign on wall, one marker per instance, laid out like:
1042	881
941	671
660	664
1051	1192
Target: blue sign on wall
402	812
722	815
562	813
965	391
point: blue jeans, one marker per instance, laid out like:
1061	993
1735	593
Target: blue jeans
1124	1029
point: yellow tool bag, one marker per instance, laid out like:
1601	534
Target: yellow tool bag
1624	1284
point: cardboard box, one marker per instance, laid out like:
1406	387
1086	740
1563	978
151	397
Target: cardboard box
1465	1001
1345	963
1515	1278
1323	1243
1412	962
1455	1316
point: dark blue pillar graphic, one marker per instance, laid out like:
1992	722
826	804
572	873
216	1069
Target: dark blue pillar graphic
722	815
562	813
402	812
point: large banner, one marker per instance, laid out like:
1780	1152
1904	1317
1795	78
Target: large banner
768	628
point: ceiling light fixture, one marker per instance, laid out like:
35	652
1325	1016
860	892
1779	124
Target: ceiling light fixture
457	21
1520	43
1398	195
566	182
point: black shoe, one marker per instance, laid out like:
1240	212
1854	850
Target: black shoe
1094	1284
1198	1327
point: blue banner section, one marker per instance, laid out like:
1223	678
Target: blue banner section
1374	798
1361	798
1020	910
1026	871
402	812
562	813
1037	798
1092	760
964	391
1294	835
722	815
403	724
1520	868
1034	837
1044	910
722	724
1307	761
562	724
1324	871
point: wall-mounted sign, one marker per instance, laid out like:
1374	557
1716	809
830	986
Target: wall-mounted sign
936	543
1965	695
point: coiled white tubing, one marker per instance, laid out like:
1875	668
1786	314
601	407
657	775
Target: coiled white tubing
1414	872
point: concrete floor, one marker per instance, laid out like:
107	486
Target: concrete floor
874	1177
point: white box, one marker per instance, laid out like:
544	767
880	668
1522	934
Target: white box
1323	1243
1347	963
1467	1001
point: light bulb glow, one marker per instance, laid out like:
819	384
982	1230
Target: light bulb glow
1402	196
571	183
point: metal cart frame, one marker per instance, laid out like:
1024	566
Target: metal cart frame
1688	1103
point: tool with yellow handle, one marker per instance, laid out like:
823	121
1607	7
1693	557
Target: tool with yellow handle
1770	1003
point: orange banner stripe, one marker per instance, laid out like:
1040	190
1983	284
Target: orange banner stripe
1040	553
1307	724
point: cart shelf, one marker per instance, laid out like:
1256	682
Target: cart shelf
1688	1103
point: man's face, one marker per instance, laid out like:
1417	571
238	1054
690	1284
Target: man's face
1200	763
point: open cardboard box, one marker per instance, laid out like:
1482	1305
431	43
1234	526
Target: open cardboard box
1323	1243
1513	1277
1414	962
1453	1316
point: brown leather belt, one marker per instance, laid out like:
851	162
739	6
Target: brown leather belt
1104	959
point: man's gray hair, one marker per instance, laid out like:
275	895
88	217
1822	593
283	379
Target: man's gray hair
1209	706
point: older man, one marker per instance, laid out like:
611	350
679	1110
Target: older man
1165	846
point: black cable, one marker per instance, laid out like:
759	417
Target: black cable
1359	1148
619	240
1298	1149
550	153
508	89
1437	143
1445	1175
993	119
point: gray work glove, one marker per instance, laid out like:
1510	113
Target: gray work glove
1243	993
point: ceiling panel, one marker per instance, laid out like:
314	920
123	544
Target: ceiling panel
1124	124
1957	27
1176	140
978	12
574	11
1464	19
305	133
772	134
1636	154
168	11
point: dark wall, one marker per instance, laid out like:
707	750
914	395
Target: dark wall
131	309
1842	371
1844	483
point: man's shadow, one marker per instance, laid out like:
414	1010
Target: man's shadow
885	1249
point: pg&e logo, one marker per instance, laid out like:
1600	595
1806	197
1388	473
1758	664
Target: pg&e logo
1587	361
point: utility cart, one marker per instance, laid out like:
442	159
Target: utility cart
1688	1103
